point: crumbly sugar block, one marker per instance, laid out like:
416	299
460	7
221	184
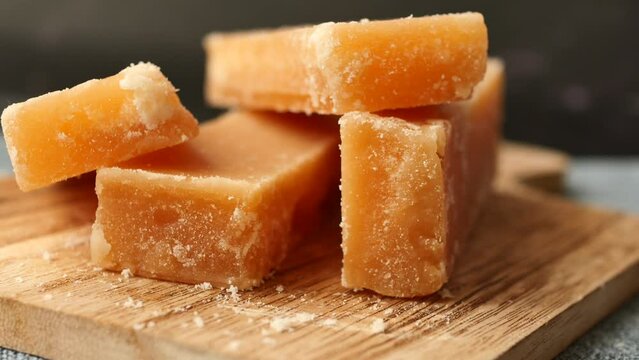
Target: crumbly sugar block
334	68
95	124
413	182
223	208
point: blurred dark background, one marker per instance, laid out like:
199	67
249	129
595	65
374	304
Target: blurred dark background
573	66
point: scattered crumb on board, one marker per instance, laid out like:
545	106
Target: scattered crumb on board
288	323
197	320
234	345
46	256
203	286
126	273
328	322
378	326
233	293
132	303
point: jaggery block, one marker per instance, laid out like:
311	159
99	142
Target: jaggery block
95	124
334	68
413	182
223	208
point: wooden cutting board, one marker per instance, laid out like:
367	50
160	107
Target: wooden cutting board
538	271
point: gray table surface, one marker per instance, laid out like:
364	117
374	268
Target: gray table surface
608	182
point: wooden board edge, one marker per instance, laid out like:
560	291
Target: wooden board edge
546	174
98	340
555	336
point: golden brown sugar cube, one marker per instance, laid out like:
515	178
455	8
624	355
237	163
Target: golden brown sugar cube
413	182
334	68
66	133
223	208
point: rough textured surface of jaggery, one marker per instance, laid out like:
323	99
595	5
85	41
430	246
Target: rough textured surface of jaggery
334	68
223	208
413	182
98	123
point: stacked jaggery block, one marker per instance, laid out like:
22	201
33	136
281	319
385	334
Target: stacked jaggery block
417	154
224	208
334	68
412	183
98	123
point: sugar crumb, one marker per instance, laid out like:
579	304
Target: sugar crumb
181	254
234	345
46	256
133	134
279	288
204	286
233	291
237	215
388	311
378	326
62	136
126	273
150	89
132	303
138	326
329	322
281	324
198	321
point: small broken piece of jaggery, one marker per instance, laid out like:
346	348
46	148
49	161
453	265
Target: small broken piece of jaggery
413	182
95	124
223	208
334	68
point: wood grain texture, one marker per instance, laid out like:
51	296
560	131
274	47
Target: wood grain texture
536	273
